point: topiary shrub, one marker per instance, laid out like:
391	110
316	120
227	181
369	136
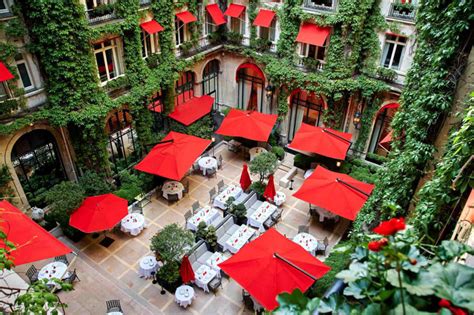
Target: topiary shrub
240	212
211	237
258	187
201	231
94	184
130	186
279	152
263	164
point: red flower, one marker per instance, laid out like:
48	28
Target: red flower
390	227
443	303
376	246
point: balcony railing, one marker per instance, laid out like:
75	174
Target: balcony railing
325	6
401	14
317	66
101	13
144	3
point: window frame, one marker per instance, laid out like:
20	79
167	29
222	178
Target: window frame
24	61
304	51
209	26
242	23
386	48
271	31
115	47
7	7
95	4
178	40
154	44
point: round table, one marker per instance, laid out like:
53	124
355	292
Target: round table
256	151
172	187
52	270
207	164
307	241
148	266
133	223
184	295
279	198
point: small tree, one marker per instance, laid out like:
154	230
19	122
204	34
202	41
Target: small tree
264	164
211	237
201	230
172	242
239	211
94	184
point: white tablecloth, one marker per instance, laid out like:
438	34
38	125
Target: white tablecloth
147	266
52	270
172	187
215	260
133	223
230	191
261	215
207	163
240	237
184	295
279	198
256	151
307	241
324	214
204	275
206	214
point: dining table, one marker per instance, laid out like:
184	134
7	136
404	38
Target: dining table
133	223
256	151
307	241
207	164
229	191
239	238
215	259
184	295
206	214
203	276
259	216
53	270
148	266
172	187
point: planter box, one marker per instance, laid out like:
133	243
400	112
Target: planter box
170	287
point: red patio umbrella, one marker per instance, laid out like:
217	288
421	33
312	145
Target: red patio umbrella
186	270
247	124
273	264
322	141
99	213
32	242
270	192
335	192
5	74
386	141
173	156
245	180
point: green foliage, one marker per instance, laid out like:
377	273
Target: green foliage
234	38
303	161
14	28
386	74
360	170
379	159
202	128
6	261
169	272
94	184
6	192
63	199
171	243
201	230
239	211
258	187
130	186
211	237
264	164
279	152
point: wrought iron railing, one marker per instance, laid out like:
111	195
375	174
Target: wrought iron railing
401	14
325	6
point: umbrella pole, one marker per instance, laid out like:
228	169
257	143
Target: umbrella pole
353	187
295	266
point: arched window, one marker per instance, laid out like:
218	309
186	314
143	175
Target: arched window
37	163
210	80
305	107
251	83
184	87
122	140
381	130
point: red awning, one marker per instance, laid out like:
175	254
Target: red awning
173	156
386	141
313	34
322	141
99	213
216	14
235	10
249	125
257	269
335	192
252	66
151	27
192	110
155	106
264	18
388	106
186	17
32	242
5	74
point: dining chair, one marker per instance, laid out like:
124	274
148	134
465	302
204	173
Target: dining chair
196	206
186	187
173	197
32	274
214	284
303	229
212	194
276	216
220	161
72	277
187	216
220	185
62	259
113	306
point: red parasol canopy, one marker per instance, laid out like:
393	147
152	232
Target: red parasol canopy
173	156
270	192
99	213
335	192
5	74
258	270
323	141
246	124
32	242
186	270
245	180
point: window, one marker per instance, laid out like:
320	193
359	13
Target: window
149	44
268	33
237	25
4	6
184	87
24	72
305	108
210	80
319	3
393	51
3	91
210	27
180	31
91	4
312	51
106	56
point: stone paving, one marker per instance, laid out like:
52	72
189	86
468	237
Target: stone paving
111	273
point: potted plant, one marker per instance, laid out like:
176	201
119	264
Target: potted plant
262	44
101	10
186	48
311	63
211	238
234	38
279	152
168	276
386	74
239	212
404	7
201	231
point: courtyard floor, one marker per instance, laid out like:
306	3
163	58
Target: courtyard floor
112	273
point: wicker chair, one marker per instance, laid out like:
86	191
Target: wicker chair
32	274
113	306
173	197
62	259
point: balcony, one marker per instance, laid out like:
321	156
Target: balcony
309	64
145	3
320	5
404	12
101	13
